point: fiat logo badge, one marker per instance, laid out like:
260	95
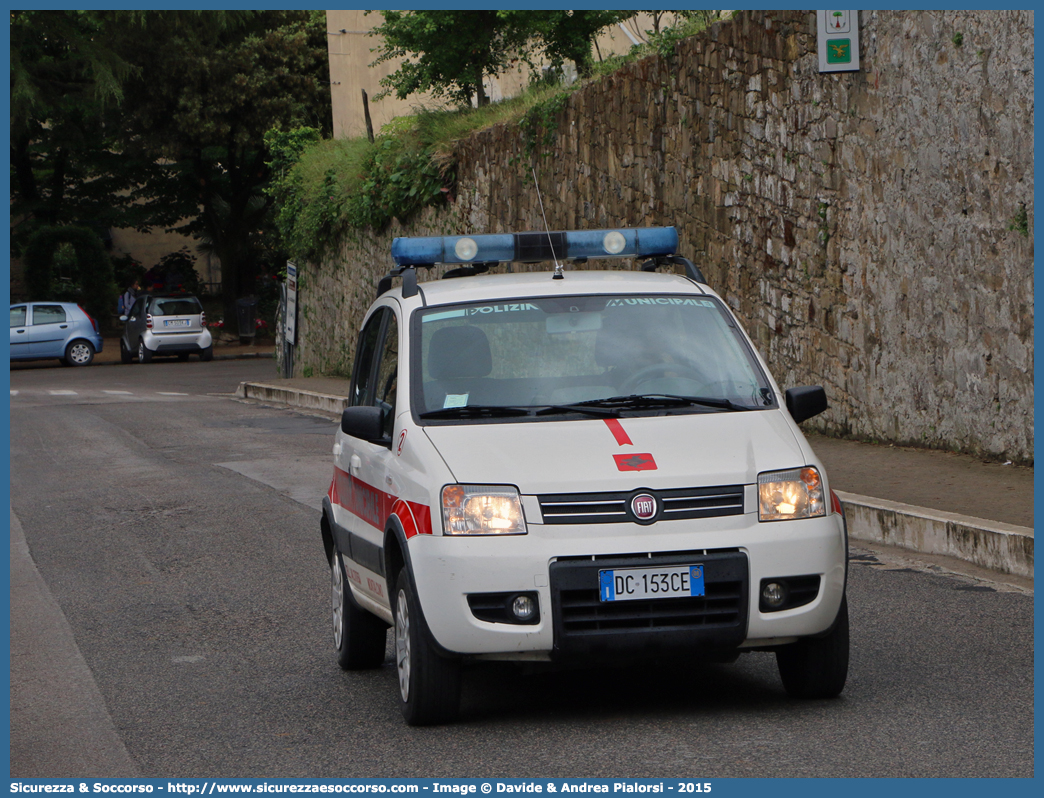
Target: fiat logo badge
644	507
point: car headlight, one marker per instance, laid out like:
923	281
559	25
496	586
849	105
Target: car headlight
482	510
785	495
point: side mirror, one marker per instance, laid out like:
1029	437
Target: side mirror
123	318
364	422
806	401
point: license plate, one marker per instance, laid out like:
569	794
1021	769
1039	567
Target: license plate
175	322
630	584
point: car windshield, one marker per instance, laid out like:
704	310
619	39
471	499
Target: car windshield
597	355
174	307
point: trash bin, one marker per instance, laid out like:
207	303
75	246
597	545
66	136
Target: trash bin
246	315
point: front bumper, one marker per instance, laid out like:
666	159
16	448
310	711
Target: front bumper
738	553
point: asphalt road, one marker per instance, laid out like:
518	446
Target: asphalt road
174	531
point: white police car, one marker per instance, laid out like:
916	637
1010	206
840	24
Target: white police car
577	465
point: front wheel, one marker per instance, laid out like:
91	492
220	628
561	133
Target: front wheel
78	353
817	667
429	684
358	636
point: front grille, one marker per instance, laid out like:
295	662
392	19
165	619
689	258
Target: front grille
608	508
584	624
583	612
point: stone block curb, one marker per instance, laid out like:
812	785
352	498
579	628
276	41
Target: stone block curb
295	397
990	544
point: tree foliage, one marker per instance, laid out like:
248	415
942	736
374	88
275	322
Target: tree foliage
450	53
566	35
200	106
143	119
90	279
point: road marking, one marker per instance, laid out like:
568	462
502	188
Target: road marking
118	393
170	393
62	393
14	393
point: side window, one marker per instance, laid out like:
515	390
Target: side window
138	307
387	375
18	316
48	314
362	377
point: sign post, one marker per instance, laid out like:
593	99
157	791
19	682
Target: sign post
289	319
838	41
291	303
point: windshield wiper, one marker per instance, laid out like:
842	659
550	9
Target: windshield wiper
643	401
476	411
585	408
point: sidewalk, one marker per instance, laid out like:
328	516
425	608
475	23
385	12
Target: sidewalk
231	351
933	502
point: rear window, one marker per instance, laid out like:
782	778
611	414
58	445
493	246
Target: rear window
48	314
175	307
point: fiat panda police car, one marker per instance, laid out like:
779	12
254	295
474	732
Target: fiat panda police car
574	465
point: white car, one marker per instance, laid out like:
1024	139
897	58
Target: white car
574	465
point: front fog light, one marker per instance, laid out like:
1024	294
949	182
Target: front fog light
774	594
482	510
785	495
523	607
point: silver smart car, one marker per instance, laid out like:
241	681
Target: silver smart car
168	324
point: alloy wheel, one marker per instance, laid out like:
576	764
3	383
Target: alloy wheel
80	353
402	645
337	595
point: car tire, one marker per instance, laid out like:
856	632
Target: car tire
359	637
78	353
207	354
126	356
817	667
429	683
144	353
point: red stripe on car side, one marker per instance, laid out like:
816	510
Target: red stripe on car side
374	506
405	515
615	427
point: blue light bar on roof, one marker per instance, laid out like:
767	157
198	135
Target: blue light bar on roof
639	242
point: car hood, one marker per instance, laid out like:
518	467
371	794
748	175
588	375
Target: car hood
684	450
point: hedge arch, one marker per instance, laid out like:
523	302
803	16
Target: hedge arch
93	268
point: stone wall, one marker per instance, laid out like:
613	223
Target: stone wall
860	224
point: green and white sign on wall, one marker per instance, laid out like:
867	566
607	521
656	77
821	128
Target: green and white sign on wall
838	41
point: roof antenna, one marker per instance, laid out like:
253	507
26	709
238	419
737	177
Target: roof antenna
559	271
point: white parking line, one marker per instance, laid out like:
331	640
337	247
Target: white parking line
170	393
14	393
118	393
62	393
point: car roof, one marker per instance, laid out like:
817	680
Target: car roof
486	287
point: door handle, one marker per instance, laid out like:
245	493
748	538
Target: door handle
64	326
19	331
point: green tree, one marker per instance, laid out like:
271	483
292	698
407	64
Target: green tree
567	35
64	79
448	53
198	108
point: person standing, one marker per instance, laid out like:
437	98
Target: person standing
126	300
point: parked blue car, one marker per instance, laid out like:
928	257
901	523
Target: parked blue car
63	330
